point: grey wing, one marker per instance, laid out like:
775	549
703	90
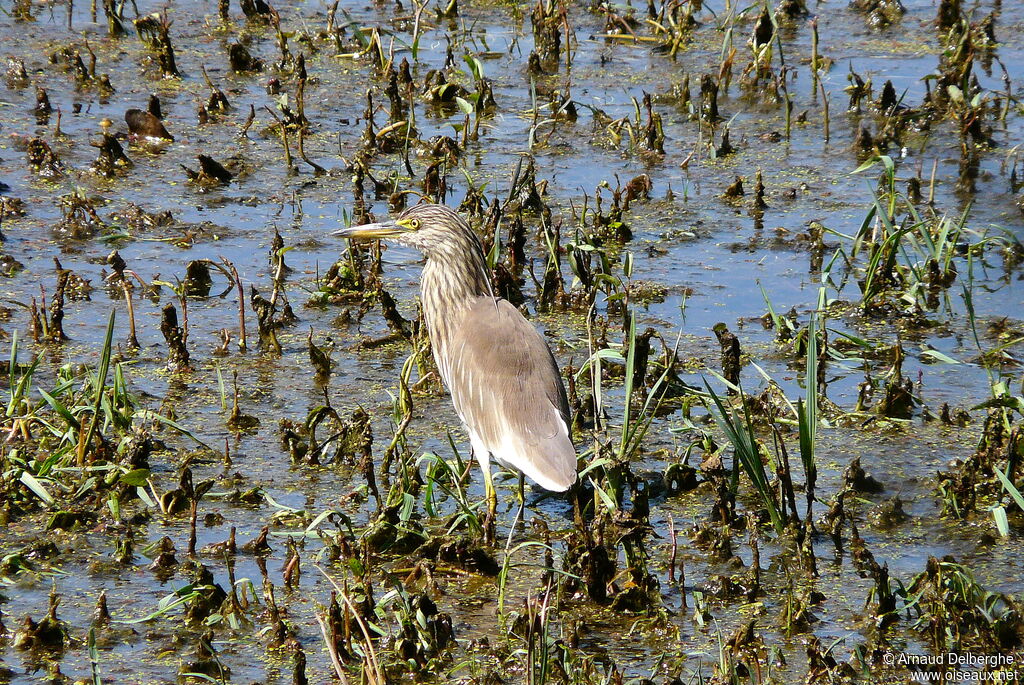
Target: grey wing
506	388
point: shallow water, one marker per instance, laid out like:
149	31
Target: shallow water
696	240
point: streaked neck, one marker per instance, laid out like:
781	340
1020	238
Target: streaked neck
454	276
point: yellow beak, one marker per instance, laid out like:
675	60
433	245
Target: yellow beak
386	229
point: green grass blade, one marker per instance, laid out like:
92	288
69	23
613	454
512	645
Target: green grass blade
30	482
746	454
807	410
630	367
63	411
1010	488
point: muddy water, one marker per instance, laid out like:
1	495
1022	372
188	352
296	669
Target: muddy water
694	241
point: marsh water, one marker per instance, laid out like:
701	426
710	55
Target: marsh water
705	258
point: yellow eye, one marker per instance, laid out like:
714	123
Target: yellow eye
414	224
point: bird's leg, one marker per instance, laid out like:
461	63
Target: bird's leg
491	516
519	514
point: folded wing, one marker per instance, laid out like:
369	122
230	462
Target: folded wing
506	388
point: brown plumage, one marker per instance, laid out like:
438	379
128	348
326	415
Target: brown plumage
146	125
502	377
511	399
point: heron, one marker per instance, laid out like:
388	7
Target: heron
498	368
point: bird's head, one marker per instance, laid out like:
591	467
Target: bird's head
430	228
